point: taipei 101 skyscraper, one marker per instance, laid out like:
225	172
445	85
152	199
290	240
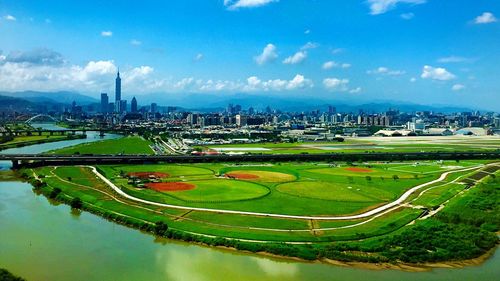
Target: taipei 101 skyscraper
118	93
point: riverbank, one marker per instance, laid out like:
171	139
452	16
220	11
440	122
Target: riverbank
8	276
348	252
401	266
41	141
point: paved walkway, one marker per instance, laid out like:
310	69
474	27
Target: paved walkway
370	213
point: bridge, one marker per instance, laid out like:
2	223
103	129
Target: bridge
41	116
36	160
62	132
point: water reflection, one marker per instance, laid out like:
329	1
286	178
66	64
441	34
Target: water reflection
37	236
204	264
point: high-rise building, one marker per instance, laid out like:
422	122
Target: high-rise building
118	87
154	107
241	120
332	110
133	105
123	106
111	107
104	103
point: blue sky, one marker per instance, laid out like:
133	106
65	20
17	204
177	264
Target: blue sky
422	51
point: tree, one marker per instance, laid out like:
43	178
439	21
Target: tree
53	194
76	203
368	178
160	228
70	179
395	177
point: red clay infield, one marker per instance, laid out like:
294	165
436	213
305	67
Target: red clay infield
242	176
170	186
359	170
145	175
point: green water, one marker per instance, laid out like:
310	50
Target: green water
42	241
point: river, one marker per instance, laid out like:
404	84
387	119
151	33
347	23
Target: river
43	241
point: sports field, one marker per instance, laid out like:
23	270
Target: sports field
125	145
271	202
369	144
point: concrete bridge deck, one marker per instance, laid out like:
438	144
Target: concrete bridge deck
20	160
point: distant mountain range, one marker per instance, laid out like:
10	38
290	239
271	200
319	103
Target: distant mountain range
63	97
14	104
201	102
213	102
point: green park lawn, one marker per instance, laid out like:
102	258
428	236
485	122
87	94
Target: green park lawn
360	145
309	189
125	145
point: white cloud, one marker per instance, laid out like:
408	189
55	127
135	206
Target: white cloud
40	56
46	70
307	31
386	71
458	87
184	83
407	16
337	51
237	4
10	17
436	73
378	7
413	79
332	64
298	57
92	77
486	17
135	42
310	45
355	90
336	84
106	33
198	57
268	55
453	59
137	73
329	65
298	82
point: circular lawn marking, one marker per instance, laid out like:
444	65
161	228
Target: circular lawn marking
241	176
359	170
260	176
170	186
145	175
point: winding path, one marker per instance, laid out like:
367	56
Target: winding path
351	217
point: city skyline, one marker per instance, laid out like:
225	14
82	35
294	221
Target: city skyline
406	51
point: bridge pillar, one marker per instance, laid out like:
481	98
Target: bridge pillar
16	164
39	133
51	133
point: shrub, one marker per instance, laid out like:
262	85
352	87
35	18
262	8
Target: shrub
76	203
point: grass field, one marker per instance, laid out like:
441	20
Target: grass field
282	188
370	144
295	189
126	145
